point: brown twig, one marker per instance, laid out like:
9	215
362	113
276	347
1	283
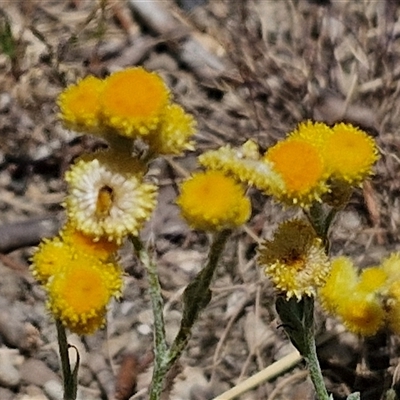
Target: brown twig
126	380
124	17
371	203
127	377
18	267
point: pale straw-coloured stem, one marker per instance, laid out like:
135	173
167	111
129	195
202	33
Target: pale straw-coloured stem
271	372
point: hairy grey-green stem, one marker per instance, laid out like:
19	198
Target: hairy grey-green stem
160	345
195	298
198	294
311	358
321	221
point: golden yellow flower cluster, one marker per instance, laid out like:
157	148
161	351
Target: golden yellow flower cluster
215	199
80	276
303	167
314	157
108	195
367	301
132	103
299	170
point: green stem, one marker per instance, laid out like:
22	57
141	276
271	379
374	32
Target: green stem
317	216
69	378
321	219
195	298
197	295
298	321
314	367
160	343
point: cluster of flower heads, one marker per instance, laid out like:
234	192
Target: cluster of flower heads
132	103
108	195
305	166
80	276
366	301
318	163
313	163
297	263
109	198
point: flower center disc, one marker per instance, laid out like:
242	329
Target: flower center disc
104	202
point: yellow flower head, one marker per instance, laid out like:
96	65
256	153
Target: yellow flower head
133	101
355	299
78	295
80	105
372	279
295	259
174	132
349	153
312	132
107	197
391	266
212	201
245	165
101	248
49	257
302	169
340	284
362	312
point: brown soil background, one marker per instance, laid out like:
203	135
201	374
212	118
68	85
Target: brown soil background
245	69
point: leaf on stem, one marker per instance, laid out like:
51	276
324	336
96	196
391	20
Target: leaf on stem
297	320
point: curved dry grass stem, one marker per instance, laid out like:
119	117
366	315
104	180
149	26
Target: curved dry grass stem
272	371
